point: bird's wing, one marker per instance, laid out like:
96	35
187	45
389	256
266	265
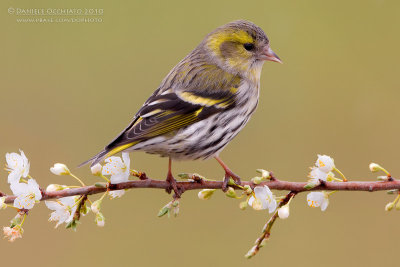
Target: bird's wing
171	110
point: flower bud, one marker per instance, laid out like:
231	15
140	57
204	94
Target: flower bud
55	187
100	220
257	180
2	204
231	192
374	167
243	205
283	212
206	193
389	206
95	207
60	169
84	209
264	174
251	252
247	189
96	169
198	176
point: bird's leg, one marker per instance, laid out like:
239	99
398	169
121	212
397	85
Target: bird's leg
228	174
172	181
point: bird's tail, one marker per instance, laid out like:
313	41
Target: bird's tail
105	153
96	159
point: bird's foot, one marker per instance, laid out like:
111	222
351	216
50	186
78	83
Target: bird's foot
228	175
173	186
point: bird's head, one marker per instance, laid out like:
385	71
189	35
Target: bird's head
240	47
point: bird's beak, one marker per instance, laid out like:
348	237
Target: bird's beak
269	55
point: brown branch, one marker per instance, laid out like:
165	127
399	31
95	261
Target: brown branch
205	184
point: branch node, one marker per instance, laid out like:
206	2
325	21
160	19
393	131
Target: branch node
143	176
272	176
370	188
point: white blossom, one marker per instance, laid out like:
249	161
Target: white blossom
283	212
318	199
60	169
116	193
12	233
96	169
264	199
118	168
63	209
325	163
27	194
18	166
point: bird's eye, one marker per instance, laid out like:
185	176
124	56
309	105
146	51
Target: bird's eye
248	46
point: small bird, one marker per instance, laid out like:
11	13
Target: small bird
203	102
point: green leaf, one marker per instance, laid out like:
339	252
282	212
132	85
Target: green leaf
164	210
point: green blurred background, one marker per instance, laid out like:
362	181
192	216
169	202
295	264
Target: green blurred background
68	88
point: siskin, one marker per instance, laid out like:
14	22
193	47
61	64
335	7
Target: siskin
204	101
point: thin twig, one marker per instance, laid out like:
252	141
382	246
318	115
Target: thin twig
206	184
266	232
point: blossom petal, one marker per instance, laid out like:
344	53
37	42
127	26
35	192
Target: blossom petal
26	164
14	176
261	192
251	200
325	204
114	165
119	178
325	163
68	201
19	188
52	205
116	193
127	159
14	161
318	199
33	187
272	206
24	201
318	174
